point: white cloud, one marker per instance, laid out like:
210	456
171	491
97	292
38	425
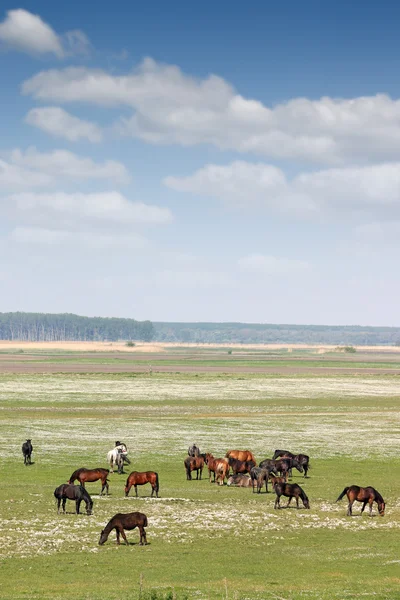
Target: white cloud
88	239
272	265
26	32
367	189
70	211
171	107
58	122
14	177
64	164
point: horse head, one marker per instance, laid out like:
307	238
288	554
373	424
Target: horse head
208	457
103	538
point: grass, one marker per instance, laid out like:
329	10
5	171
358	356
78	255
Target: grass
204	541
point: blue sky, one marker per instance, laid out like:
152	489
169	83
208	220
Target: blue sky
211	162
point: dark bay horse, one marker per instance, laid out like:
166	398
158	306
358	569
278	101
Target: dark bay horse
240	466
27	450
366	495
88	475
193	463
136	478
242	455
126	521
218	466
78	493
302	459
282	465
290	490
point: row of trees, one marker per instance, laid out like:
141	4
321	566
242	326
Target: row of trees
43	327
219	333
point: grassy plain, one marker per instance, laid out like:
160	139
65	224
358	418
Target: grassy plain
204	541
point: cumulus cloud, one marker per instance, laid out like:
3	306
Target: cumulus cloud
23	31
70	211
58	122
64	164
365	189
172	107
272	265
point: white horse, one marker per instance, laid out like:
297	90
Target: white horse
116	457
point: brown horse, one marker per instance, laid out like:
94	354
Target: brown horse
78	493
242	455
303	459
193	463
88	475
240	466
290	490
218	466
127	521
366	495
240	480
136	478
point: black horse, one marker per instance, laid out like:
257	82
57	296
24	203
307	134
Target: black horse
290	490
303	459
27	450
68	491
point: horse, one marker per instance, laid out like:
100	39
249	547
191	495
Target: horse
303	459
193	463
73	492
218	466
242	455
240	466
88	475
127	521
136	478
365	495
116	458
193	450
282	465
290	490
240	480
27	450
259	475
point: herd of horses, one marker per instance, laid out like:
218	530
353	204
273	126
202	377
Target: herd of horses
277	470
245	473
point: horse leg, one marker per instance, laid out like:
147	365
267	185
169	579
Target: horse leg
77	504
349	509
58	505
63	505
143	540
305	470
136	491
370	506
289	501
277	502
363	506
124	536
118	534
201	471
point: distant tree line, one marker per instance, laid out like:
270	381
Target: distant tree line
219	333
43	327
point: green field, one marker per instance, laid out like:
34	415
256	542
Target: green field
204	541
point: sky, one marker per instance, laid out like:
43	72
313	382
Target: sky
179	161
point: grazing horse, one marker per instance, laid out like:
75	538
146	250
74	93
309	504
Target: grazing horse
240	480
88	475
240	466
127	521
193	450
218	466
366	495
282	465
193	463
303	459
242	455
290	490
136	478
73	492
27	450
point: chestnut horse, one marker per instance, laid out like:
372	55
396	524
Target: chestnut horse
88	475
193	463
128	521
290	490
136	478
242	455
366	495
240	466
218	466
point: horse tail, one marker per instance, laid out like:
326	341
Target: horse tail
145	521
342	494
157	486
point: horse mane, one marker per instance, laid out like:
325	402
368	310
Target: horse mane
378	497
